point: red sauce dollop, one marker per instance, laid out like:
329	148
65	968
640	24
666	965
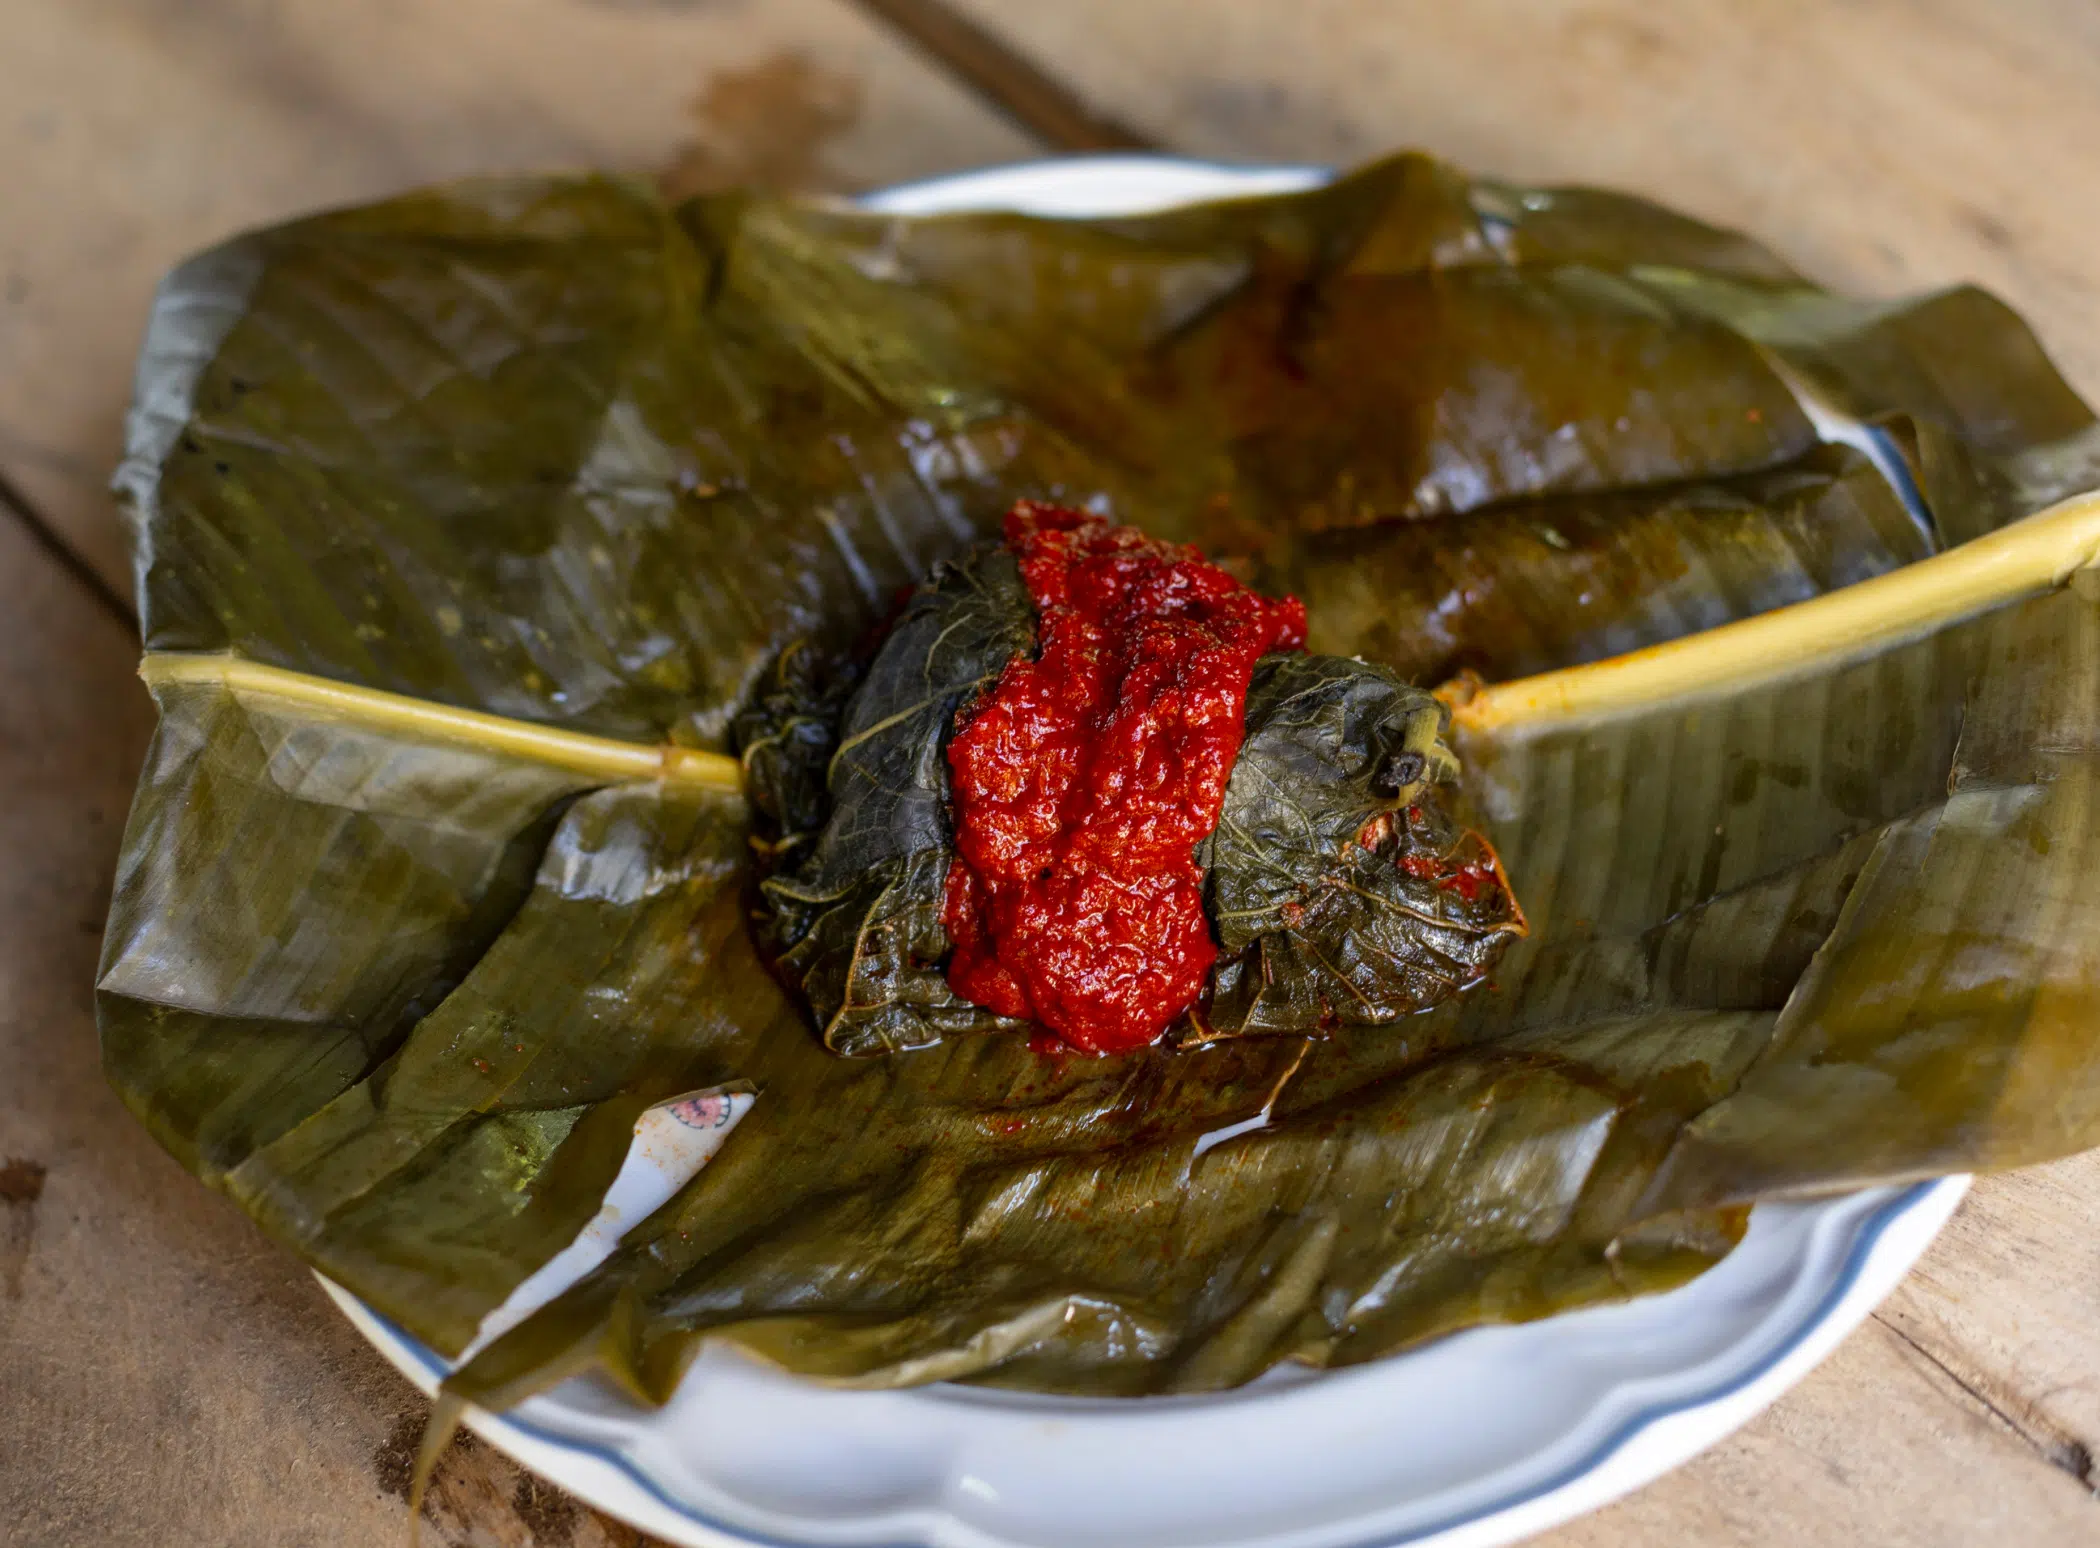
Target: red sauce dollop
1086	777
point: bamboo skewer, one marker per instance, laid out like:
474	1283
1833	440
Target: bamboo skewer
2025	559
324	698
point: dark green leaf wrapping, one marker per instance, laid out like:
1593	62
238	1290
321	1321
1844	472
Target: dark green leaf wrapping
1949	1020
1384	397
1504	1154
626	977
542	447
785	737
857	916
1606	229
545	448
361	980
1308	887
1399	343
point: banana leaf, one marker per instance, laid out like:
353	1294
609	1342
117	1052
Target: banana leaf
469	523
1708	844
1950	1019
1534	585
1993	432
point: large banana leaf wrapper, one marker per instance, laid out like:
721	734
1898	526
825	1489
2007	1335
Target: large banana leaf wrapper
468	524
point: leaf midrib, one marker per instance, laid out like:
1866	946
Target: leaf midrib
2023	559
322	698
2026	558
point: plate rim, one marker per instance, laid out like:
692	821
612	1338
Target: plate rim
1730	1402
948	193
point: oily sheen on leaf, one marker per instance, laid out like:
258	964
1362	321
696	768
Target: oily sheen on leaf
552	453
1684	855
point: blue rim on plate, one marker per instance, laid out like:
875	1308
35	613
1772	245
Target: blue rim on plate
1866	1236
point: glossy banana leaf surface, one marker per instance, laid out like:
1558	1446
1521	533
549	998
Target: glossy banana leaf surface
459	516
1539	584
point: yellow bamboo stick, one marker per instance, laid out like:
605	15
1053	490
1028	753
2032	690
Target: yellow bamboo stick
601	757
2023	559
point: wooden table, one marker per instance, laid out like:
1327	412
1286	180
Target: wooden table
166	1375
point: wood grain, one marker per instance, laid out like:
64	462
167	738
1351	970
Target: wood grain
2007	1304
1876	1447
1039	104
167	1377
134	131
1882	144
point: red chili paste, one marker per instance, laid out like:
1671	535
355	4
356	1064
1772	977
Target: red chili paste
1085	778
1468	875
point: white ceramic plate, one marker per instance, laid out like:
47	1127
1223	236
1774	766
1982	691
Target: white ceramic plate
1477	1439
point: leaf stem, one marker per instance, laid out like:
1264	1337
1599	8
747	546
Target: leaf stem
2023	559
324	698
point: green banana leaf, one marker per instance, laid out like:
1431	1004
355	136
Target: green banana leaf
1539	584
1994	433
1951	1019
469	523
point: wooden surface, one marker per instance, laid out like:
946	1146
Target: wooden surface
166	1376
1882	145
133	132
